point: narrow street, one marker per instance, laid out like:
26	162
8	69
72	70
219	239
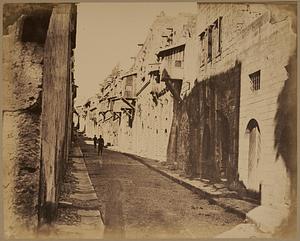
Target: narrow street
193	104
137	202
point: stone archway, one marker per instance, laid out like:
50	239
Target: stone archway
253	135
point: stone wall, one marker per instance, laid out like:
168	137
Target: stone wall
153	116
151	126
30	104
271	53
22	86
204	135
261	38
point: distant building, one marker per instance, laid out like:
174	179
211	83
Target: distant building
137	104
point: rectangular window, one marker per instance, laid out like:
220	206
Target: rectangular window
216	37
209	42
129	80
178	63
220	34
202	49
255	80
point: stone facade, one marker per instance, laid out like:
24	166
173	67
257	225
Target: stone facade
261	40
205	130
29	103
208	100
135	108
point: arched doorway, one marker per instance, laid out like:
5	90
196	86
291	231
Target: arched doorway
253	133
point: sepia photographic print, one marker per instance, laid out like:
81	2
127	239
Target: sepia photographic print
149	120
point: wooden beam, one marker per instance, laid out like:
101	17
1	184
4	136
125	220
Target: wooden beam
127	112
118	116
55	95
172	89
108	119
127	102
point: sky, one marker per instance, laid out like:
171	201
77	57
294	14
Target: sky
108	33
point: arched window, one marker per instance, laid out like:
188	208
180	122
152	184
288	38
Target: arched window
252	124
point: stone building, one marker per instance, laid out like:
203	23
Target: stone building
89	120
154	105
81	118
146	132
212	95
137	104
225	126
38	95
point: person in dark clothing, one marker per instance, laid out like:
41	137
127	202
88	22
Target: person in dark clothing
95	141
100	145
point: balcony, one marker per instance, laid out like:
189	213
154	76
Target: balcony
151	68
129	84
174	69
172	62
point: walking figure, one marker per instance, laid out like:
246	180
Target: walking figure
100	145
95	141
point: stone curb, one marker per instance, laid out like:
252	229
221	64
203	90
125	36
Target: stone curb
91	184
91	225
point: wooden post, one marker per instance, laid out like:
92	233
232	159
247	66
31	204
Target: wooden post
56	88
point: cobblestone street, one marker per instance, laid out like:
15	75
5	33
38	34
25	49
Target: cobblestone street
137	202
